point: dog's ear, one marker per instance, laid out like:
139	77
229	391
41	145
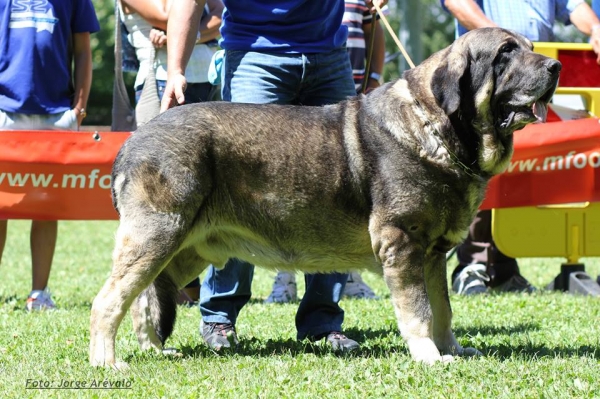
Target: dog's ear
445	82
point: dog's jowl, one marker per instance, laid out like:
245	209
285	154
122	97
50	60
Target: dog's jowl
386	182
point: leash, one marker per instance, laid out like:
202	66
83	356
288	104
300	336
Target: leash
370	55
379	13
393	35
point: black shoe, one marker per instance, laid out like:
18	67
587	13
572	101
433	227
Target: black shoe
219	335
338	341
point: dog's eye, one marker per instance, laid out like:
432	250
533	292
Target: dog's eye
507	47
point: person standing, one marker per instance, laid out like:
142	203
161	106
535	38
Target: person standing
289	53
359	20
146	23
38	38
481	264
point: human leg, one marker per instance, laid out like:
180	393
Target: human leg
327	79
223	294
43	241
319	315
3	230
482	264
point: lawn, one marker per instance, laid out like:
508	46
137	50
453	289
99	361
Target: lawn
542	345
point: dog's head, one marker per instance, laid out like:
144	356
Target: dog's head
493	75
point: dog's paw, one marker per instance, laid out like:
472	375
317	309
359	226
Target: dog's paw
424	350
172	352
116	365
120	366
471	352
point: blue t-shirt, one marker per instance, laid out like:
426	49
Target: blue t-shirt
35	52
285	26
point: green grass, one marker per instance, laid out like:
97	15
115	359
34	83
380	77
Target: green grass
541	345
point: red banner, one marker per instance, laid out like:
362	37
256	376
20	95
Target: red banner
553	163
59	175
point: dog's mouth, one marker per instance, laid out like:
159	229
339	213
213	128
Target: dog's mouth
517	117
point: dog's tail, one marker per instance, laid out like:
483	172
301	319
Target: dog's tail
154	312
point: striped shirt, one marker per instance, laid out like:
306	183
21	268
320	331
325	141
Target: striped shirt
356	14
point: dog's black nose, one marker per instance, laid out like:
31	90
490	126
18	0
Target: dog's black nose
553	66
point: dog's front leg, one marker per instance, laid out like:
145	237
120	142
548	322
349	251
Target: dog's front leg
404	274
437	290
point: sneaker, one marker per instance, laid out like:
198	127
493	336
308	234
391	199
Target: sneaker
357	288
284	289
338	341
471	280
40	300
219	335
516	283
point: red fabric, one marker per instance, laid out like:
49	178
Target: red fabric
55	175
579	69
533	179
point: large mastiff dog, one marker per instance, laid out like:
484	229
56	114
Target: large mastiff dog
387	182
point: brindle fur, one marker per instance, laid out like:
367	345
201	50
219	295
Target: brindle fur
369	183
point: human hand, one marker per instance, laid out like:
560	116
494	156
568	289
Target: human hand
174	92
595	41
80	113
372	84
379	3
158	37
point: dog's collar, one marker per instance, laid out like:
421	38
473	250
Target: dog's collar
453	157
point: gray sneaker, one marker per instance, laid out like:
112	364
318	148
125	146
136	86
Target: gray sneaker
337	341
40	300
357	288
284	289
219	335
516	283
471	280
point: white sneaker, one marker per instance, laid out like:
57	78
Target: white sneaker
357	288
40	300
284	289
471	280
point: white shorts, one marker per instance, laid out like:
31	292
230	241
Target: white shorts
62	121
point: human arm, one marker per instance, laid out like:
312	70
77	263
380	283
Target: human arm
156	12
82	73
209	25
184	19
211	22
468	14
584	19
378	58
380	4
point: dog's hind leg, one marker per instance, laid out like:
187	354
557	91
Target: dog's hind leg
154	310
437	290
144	245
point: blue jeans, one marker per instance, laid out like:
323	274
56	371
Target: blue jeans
301	79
